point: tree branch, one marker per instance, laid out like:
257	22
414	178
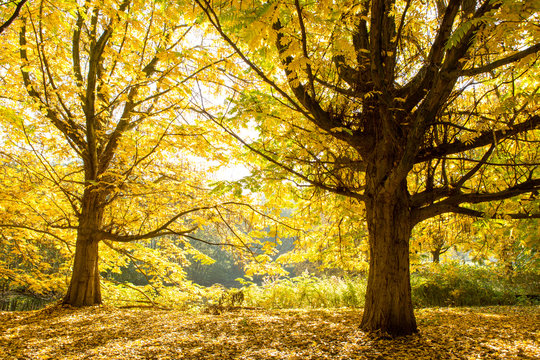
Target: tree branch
416	88
69	129
213	18
320	117
501	62
8	22
451	204
340	191
159	231
39	231
485	138
435	210
304	47
475	169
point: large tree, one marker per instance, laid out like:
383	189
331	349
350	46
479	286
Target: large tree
100	128
414	109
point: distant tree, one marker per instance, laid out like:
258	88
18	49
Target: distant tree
440	234
218	266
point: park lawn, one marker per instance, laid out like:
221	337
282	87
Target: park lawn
110	333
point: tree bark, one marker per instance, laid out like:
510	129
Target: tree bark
436	256
84	288
388	305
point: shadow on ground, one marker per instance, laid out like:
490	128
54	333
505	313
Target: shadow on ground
110	333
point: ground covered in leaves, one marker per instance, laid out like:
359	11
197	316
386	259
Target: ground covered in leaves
110	333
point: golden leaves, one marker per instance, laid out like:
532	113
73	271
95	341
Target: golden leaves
109	333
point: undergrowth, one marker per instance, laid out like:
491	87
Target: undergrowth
450	284
433	285
307	291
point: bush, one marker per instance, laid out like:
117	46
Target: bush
453	284
307	291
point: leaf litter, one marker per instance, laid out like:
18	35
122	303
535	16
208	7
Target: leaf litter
105	332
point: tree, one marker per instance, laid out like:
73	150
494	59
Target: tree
105	129
404	107
513	247
441	233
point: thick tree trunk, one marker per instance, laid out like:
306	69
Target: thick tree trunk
84	288
388	305
436	256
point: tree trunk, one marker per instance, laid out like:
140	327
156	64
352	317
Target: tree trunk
388	305
84	288
436	256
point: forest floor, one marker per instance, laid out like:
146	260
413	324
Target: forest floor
110	333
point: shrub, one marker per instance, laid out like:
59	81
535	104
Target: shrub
450	284
453	284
